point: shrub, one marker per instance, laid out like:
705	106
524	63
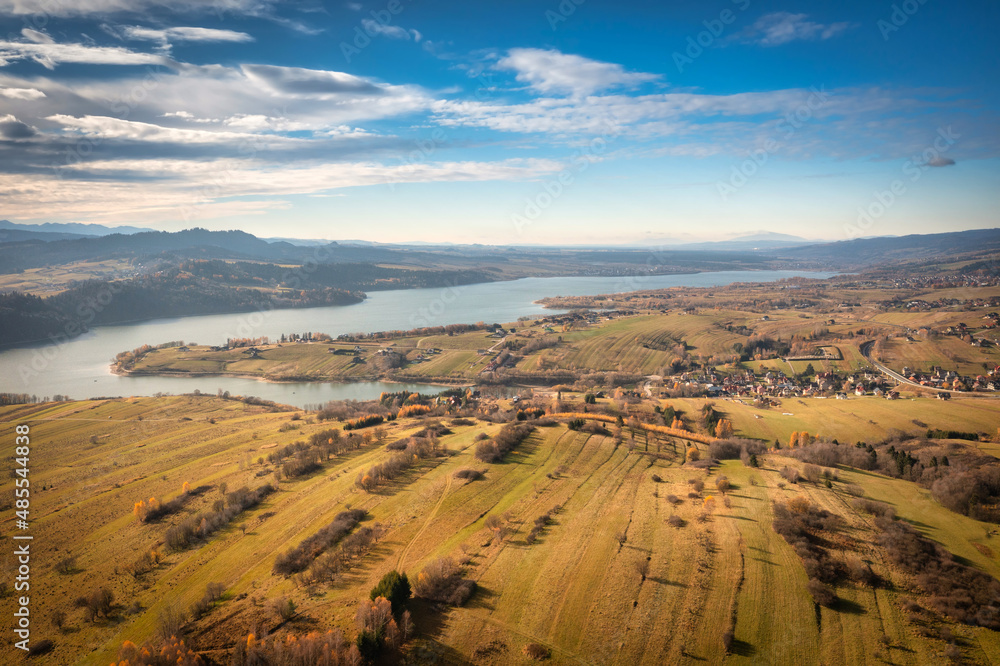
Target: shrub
284	608
536	651
821	593
468	474
441	580
790	474
675	521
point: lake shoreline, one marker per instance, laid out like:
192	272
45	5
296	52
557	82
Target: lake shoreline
292	380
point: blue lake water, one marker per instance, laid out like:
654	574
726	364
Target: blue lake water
79	368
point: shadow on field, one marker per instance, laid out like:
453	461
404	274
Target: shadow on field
848	606
735	517
428	617
742	648
483	598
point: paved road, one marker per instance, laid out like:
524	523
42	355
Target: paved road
866	348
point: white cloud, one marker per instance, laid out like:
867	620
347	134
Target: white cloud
36	36
780	28
104	127
21	93
391	31
308	82
553	72
50	54
104	7
205	190
182	34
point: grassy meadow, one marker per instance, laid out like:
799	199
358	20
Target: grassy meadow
608	580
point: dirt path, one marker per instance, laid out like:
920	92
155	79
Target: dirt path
433	513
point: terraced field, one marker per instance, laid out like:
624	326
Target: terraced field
860	418
607	581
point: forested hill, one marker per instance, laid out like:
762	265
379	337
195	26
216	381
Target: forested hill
866	251
192	243
25	318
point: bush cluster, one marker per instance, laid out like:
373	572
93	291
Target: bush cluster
354	545
442	581
205	523
800	524
299	558
364	422
962	593
540	523
506	440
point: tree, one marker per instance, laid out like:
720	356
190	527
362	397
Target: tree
395	587
793	439
724	429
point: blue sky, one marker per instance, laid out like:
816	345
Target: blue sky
502	122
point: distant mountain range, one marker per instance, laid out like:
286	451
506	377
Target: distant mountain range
70	228
28	246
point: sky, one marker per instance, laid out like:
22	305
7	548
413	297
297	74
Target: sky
503	121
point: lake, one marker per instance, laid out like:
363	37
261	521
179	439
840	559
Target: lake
79	367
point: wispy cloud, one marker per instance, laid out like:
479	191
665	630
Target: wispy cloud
40	48
391	31
166	36
106	7
21	93
779	28
554	72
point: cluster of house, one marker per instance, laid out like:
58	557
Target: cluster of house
933	281
949	379
776	384
499	361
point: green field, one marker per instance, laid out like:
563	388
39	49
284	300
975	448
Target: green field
577	590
